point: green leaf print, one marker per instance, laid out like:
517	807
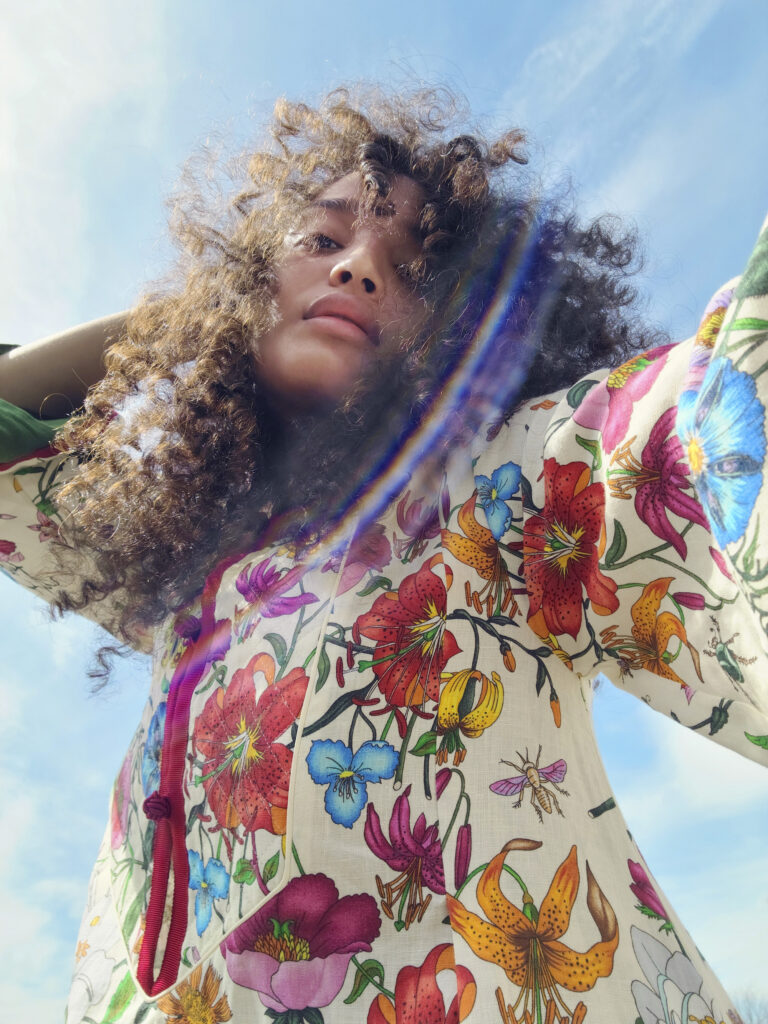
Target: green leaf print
270	868
749	323
367	971
374	584
578	392
593	447
426	745
279	647
244	873
119	1002
754	281
323	668
618	544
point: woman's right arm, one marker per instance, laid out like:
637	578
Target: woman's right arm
41	383
50	378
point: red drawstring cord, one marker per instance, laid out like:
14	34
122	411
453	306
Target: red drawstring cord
166	807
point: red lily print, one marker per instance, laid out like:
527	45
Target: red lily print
418	999
246	773
419	524
8	552
660	481
416	853
264	588
412	643
560	550
608	406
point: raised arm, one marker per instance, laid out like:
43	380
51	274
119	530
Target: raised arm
50	378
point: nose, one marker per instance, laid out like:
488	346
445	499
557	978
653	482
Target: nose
360	267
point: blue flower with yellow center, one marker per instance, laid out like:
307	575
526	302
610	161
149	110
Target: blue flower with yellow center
493	493
331	763
211	882
722	430
153	750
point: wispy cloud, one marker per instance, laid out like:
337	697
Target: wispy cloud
602	66
686	771
697	812
58	754
74	78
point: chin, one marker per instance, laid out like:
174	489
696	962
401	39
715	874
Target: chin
314	385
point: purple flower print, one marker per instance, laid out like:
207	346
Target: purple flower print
643	889
661	482
45	528
265	588
295	951
608	406
415	853
420	523
369	549
463	855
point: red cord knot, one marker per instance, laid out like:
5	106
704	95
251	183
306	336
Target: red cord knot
157	807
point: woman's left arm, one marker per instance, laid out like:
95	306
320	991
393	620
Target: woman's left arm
642	539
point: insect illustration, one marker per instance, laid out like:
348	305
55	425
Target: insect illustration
542	797
727	660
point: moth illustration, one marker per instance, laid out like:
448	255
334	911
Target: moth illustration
542	797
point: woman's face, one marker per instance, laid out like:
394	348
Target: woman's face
344	298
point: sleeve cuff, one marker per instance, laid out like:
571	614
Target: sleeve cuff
21	433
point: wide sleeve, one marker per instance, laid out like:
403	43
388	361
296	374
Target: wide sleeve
639	544
31	472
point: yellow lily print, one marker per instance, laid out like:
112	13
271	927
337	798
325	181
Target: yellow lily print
651	633
526	944
461	709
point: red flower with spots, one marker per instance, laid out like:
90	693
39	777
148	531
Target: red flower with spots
418	999
560	550
245	772
412	643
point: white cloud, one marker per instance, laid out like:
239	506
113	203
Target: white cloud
726	914
59	751
604	56
710	782
698	814
66	69
28	995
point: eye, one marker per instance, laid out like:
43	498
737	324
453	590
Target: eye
318	242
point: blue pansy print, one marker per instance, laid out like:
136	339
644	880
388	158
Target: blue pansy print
331	763
150	759
722	432
211	882
493	493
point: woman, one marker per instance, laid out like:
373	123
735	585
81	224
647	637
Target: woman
365	785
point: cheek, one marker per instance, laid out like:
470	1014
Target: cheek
403	322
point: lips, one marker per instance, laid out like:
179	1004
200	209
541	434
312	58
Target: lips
346	316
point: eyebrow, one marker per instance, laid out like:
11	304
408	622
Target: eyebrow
352	207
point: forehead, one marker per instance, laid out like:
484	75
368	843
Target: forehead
400	209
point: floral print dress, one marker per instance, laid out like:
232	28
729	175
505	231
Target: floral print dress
366	787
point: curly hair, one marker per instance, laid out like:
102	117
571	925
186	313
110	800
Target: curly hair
182	460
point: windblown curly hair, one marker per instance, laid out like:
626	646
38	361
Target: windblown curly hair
182	460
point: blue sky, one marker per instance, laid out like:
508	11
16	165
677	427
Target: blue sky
655	108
